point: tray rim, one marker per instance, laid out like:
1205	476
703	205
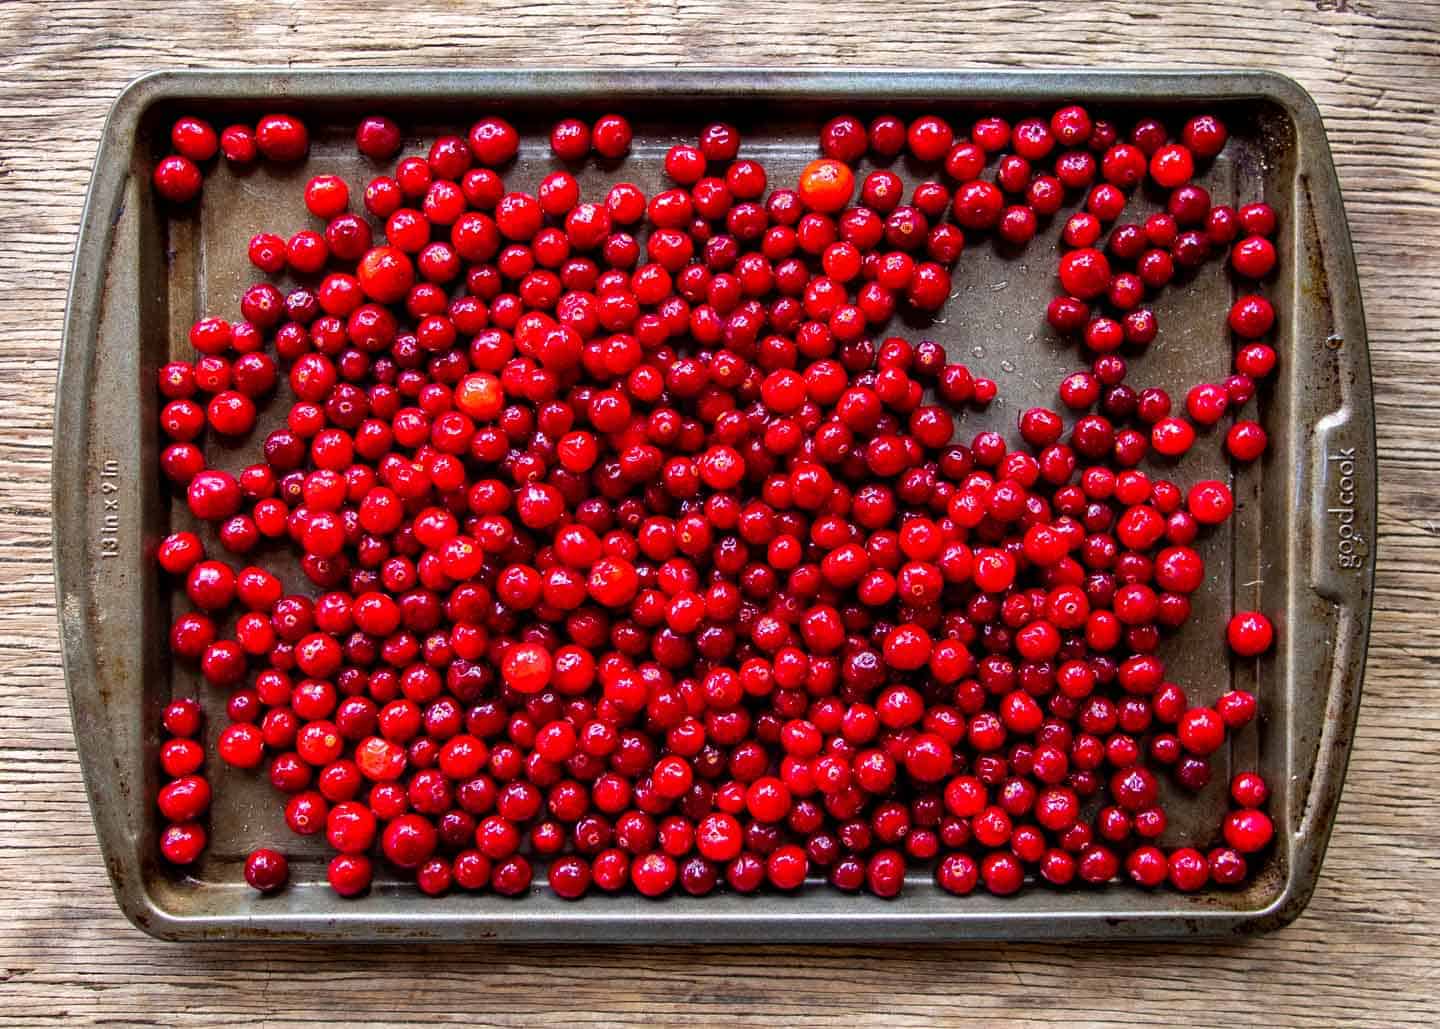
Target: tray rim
72	433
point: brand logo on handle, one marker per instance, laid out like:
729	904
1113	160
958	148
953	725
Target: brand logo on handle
1351	547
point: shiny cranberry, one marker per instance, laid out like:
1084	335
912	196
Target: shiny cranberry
177	179
885	873
378	138
494	142
570	141
350	874
1250	633
183	843
1248	831
184	799
1084	273
282	138
611	136
237	143
266	870
1253	257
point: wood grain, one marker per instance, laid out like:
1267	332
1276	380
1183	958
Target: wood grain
1366	952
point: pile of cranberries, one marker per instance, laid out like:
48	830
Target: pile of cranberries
636	548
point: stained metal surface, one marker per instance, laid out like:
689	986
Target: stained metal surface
1301	546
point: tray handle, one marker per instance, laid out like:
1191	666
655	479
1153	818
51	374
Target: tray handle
1337	456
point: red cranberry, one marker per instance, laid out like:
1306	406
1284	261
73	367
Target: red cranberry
1248	831
266	870
611	136
237	143
183	843
282	138
1253	257
1250	633
177	179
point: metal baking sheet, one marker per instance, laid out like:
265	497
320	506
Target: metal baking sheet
1301	546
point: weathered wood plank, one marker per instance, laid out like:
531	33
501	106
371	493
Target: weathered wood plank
1365	952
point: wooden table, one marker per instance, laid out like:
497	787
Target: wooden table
1365	953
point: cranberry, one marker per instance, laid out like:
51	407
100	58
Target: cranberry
1205	135
1237	708
786	866
978	205
1250	633
1251	317
237	143
177	179
350	874
1084	273
1246	441
654	874
570	141
1258	219
1249	790
929	138
1253	257
1248	831
493	141
378	138
409	840
1201	731
570	877
1206	403
1227	867
721	142
1002	874
266	870
611	136
181	718
180	757
184	799
183	843
1172	436
885	873
1171	166
1072	126
281	138
1256	360
826	185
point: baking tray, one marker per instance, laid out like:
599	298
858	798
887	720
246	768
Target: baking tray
1301	545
